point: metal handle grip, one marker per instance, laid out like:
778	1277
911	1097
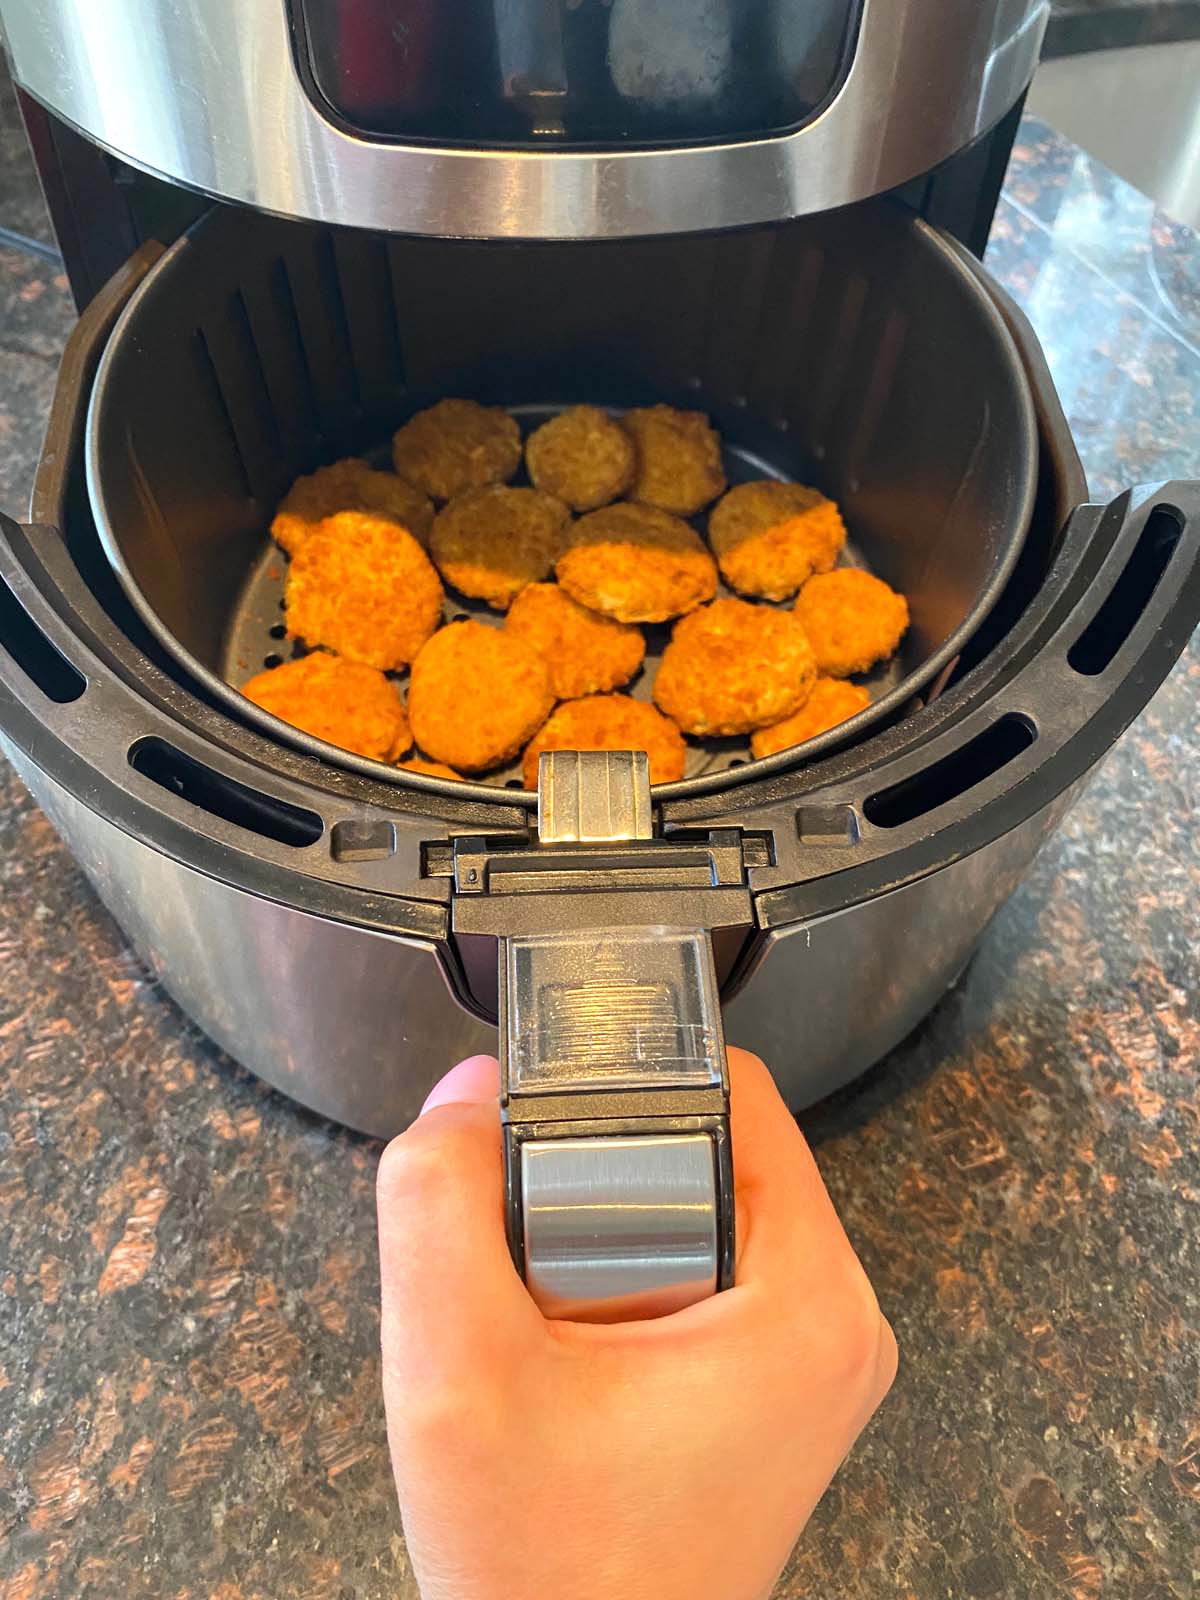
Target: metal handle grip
615	1094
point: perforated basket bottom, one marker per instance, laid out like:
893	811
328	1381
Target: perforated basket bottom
256	633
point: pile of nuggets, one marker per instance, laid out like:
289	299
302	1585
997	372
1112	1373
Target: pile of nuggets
594	547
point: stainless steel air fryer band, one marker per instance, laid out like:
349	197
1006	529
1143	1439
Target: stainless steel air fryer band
209	94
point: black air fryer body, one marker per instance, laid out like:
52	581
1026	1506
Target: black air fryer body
679	236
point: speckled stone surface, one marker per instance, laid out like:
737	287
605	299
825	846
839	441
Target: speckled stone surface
1079	25
188	1371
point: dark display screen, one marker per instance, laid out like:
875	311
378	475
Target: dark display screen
574	72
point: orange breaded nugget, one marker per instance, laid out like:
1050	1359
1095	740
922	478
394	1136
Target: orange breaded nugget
852	620
636	564
342	702
431	769
582	456
491	542
610	722
678	459
831	701
770	537
457	445
350	485
477	695
733	667
362	586
586	653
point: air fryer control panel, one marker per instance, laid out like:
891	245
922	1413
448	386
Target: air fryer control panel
574	72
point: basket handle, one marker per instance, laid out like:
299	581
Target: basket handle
614	1083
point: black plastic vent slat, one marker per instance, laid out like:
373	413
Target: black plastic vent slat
211	381
784	327
322	335
370	321
231	347
274	323
1097	646
953	776
224	797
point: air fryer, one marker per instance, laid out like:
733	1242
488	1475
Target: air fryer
618	226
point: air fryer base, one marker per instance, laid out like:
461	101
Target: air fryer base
353	1024
358	1025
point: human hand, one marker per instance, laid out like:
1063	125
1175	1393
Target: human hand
658	1460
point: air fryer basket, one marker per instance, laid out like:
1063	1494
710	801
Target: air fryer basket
856	351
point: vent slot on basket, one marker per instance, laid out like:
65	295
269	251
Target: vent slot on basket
224	797
1097	646
34	654
953	776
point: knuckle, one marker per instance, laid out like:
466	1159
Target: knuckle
857	1332
889	1357
450	1419
411	1167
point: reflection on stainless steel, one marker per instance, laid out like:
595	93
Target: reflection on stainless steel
826	999
532	64
619	1227
670	52
208	93
356	1025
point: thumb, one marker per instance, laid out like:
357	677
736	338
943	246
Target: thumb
450	1293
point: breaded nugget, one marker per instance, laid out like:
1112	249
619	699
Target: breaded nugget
457	445
586	653
831	701
733	667
636	564
678	459
342	702
362	586
431	769
477	695
770	537
582	456
350	485
491	542
852	620
610	722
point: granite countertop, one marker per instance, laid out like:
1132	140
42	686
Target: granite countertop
1080	25
189	1381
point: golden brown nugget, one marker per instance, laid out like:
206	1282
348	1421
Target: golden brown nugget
457	445
477	696
610	722
771	537
831	701
431	769
678	459
852	620
582	456
350	485
491	542
584	652
733	667
339	701
362	586
636	564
